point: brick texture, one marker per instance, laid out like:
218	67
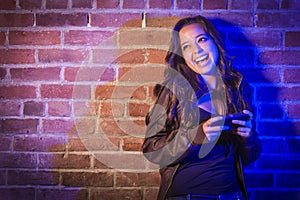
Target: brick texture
77	79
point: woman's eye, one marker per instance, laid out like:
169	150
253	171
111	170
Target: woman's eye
202	39
185	47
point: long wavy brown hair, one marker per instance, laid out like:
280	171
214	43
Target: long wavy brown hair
229	76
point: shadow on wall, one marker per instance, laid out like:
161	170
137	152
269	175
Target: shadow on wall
268	177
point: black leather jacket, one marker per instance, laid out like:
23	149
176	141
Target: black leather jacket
169	144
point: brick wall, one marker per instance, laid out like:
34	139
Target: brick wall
77	79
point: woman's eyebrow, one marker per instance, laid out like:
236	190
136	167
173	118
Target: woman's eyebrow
184	43
201	34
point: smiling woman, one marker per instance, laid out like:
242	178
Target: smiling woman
200	156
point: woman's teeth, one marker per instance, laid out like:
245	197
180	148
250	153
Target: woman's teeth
201	59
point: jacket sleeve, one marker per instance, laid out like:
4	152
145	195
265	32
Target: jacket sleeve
167	145
250	148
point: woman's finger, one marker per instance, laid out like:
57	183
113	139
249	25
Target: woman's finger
248	113
244	131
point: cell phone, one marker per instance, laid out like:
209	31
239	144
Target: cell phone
228	120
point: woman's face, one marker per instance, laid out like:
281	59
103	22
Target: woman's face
198	49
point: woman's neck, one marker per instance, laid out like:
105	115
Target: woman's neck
211	81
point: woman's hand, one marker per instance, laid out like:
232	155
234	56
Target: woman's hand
245	129
212	132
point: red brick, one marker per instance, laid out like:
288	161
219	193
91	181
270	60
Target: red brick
59	108
2	38
85	126
2	177
56	4
290	4
62	55
143	75
84	108
5	144
57	91
35	74
264	75
116	20
267	4
110	128
34	37
156	56
97	179
127	56
89	74
253	39
108	194
279	57
123	160
143	37
105	56
120	92
87	37
104	91
240	5
214	4
33	108
132	144
58	126
16	20
18	160
188	4
239	19
122	127
151	193
64	161
9	108
127	179
21	177
76	144
94	143
139	93
134	4
65	91
17	193
292	39
39	144
278	20
67	194
278	93
58	19
8	5
291	75
17	56
164	4
2	73
18	125
30	4
293	110
100	165
17	92
82	3
161	20
151	93
112	109
138	109
108	3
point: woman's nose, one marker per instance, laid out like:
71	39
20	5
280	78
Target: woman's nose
197	48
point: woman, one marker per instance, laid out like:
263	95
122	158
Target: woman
200	156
